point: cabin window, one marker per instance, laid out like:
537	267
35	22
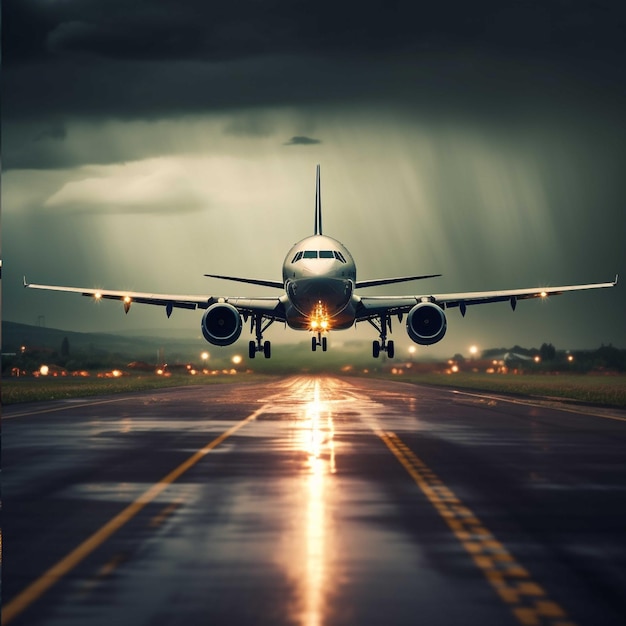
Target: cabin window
310	254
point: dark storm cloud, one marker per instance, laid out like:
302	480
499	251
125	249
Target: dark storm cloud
300	140
55	133
195	29
166	58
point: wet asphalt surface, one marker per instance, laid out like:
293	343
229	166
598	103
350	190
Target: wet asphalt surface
312	501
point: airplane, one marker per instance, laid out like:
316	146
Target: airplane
319	294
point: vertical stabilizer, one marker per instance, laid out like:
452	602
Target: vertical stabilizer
318	203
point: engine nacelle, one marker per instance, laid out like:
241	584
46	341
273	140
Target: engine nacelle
426	323
221	324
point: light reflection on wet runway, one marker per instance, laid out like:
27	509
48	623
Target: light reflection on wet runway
320	447
307	542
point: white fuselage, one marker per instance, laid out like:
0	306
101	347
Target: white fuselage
319	275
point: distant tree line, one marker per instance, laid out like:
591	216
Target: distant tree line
29	359
604	359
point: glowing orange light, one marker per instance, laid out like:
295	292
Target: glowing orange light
319	318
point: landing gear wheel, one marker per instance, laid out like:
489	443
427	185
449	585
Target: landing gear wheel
324	343
390	349
258	329
375	349
314	343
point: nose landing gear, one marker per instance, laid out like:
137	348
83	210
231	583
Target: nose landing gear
320	340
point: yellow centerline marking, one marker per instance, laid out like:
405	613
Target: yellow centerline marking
528	601
36	589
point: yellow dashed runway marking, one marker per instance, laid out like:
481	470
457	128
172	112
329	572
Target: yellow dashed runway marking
528	601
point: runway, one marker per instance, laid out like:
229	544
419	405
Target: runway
313	501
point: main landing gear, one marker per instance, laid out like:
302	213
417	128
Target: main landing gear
382	325
320	340
259	345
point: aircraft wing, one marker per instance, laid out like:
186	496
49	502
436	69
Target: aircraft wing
252	281
373	306
360	284
270	307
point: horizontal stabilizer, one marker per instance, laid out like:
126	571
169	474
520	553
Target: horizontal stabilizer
389	281
252	281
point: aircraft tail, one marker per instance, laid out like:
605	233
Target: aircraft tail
318	203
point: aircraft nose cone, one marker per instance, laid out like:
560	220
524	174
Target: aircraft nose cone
306	293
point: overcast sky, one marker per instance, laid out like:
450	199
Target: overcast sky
148	143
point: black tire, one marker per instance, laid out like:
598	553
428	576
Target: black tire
391	350
375	349
314	343
251	349
324	343
267	349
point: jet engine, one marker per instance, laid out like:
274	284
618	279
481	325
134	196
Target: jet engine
426	323
221	324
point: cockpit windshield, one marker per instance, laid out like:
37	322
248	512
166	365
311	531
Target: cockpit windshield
319	254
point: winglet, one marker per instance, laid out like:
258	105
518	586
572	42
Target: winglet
616	277
25	283
318	203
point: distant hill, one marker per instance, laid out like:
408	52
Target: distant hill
93	350
15	335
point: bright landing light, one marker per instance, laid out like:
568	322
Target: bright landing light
319	318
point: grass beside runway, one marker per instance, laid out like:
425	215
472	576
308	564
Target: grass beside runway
607	391
17	390
592	389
